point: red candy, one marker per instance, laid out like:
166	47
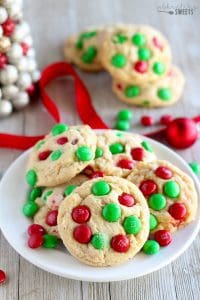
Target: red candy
120	243
44	155
166	119
3	60
177	211
96	174
147	121
163	237
35	240
51	218
141	67
126	199
125	164
88	171
82	234
2	276
119	86
163	172
25	48
36	228
8	27
137	153
157	43
81	214
31	89
62	140
148	187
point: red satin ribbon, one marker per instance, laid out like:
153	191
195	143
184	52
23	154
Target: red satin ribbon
84	106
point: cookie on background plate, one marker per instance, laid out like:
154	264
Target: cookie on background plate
104	222
135	53
50	201
83	50
117	153
170	194
161	93
61	155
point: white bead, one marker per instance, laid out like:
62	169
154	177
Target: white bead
21	31
28	40
15	12
8	75
15	52
24	80
35	75
10	91
32	65
3	15
5	108
31	52
20	100
1	31
22	64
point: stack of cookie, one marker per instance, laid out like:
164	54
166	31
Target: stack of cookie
106	196
137	57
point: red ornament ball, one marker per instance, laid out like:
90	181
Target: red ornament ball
163	237
147	121
3	60
181	133
8	27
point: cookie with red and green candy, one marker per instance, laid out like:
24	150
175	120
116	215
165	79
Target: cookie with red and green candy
135	53
171	197
61	155
163	92
82	49
104	221
118	152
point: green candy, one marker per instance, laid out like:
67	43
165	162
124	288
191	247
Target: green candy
147	146
172	189
116	148
195	167
50	241
55	155
151	247
39	145
59	128
111	212
69	189
157	201
88	34
79	44
132	91
122	125
89	55
99	241
125	115
158	68
98	152
144	53
118	60
35	193
30	208
153	222
119	38
101	188
132	225
84	153
31	177
46	195
164	94
138	39
119	134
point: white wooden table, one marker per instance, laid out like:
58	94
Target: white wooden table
51	22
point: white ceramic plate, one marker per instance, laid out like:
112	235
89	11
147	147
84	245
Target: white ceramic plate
13	192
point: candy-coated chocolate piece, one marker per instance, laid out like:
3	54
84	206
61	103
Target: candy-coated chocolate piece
125	164
147	146
99	241
31	177
165	94
138	39
158	68
137	153
89	55
98	152
35	240
62	140
36	229
163	172
96	174
125	115
39	144
81	214
120	243
132	91
153	222
163	237
46	195
101	188
59	128
84	153
88	34
82	234
141	66
111	212
132	225
148	187
35	193
44	154
151	247
144	54
122	125
55	155
69	189
116	148
119	38
51	218
30	208
195	166
172	189
50	241
177	211
126	199
119	60
147	120
157	201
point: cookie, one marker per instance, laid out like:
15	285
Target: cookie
83	50
104	222
161	93
170	194
138	54
117	153
61	155
50	201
